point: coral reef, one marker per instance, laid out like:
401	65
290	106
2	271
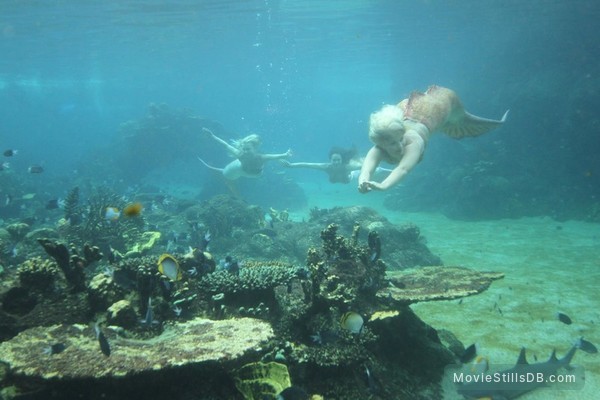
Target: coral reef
257	381
282	293
22	308
5	242
435	283
191	342
37	274
222	214
90	225
122	314
18	230
70	262
254	276
147	240
345	273
103	291
401	246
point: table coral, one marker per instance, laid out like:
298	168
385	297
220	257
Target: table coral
435	283
196	341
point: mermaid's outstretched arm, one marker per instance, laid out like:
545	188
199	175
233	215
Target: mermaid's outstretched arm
268	157
319	166
230	148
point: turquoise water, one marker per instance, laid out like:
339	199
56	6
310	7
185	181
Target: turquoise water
523	199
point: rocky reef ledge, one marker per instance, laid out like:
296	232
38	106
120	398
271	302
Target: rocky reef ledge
435	283
195	341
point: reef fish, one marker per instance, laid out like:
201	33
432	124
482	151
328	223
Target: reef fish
10	152
586	346
35	169
133	209
374	246
55	348
352	321
564	318
112	213
168	266
102	340
53	204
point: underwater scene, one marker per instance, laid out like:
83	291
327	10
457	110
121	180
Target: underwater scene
299	199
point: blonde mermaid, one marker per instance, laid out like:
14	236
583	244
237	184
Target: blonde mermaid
401	132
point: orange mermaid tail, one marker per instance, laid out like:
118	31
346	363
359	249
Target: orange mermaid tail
440	109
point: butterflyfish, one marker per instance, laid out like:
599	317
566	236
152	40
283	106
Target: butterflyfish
169	267
112	213
352	321
133	209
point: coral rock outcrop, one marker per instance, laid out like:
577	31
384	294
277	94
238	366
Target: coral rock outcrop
192	342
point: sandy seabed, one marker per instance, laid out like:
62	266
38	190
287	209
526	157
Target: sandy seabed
550	266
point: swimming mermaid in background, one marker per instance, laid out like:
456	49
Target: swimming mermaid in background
249	162
343	165
400	133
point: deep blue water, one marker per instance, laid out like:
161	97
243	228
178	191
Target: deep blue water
306	75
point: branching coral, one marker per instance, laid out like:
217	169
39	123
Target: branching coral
254	276
344	269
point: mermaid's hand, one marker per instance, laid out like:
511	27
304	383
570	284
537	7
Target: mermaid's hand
364	187
208	132
367	186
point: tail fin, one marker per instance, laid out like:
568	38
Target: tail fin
471	125
210	166
566	360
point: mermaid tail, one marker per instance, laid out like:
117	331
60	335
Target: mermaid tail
228	182
440	109
210	166
471	125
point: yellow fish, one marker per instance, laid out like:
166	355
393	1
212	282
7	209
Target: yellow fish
169	267
133	209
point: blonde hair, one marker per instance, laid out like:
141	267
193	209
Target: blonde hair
387	122
247	144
